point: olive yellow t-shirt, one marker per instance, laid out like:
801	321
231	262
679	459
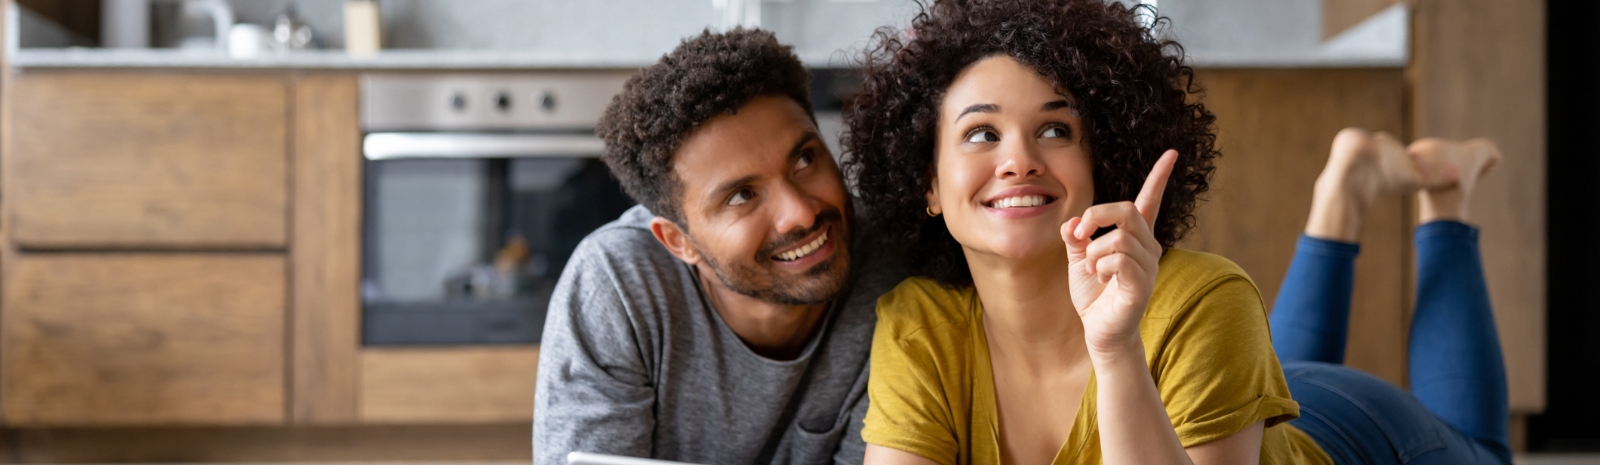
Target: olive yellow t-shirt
1205	338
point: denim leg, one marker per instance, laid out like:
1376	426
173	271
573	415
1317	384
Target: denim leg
1311	317
1359	419
1456	368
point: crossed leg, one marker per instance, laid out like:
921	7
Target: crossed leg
1457	373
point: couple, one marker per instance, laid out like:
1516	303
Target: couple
1023	169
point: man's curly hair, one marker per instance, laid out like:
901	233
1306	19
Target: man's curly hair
707	75
1131	88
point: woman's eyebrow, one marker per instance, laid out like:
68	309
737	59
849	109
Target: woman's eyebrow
979	108
1056	105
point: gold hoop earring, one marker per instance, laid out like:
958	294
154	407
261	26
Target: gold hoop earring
930	211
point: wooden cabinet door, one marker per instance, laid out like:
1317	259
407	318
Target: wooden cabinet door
443	385
1274	128
147	160
90	339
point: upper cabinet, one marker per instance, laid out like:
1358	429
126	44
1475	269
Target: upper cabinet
148	160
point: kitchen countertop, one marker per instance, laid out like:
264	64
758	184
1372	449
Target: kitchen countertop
1380	41
46	58
316	59
1216	34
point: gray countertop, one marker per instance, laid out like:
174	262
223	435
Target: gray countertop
488	60
318	59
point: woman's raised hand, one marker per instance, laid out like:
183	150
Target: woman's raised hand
1113	275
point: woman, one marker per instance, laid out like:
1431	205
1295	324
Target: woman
1012	145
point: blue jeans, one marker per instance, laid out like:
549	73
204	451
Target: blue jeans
1456	412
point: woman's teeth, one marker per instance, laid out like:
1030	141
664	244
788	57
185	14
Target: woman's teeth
1019	201
804	250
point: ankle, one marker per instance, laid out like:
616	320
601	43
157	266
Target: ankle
1336	212
1448	204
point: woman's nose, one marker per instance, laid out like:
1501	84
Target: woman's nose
1018	159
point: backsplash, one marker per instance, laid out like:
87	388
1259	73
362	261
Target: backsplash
818	28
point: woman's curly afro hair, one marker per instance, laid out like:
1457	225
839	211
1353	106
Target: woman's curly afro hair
707	75
1131	88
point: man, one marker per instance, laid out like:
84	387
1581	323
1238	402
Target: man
725	319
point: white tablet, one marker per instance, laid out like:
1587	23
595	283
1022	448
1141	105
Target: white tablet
585	458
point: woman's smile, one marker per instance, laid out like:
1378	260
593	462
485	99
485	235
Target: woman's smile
1020	202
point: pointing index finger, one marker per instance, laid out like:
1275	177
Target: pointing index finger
1149	200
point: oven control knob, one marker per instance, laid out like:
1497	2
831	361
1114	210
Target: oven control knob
502	101
459	101
547	101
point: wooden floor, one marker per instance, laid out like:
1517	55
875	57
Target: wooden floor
1556	459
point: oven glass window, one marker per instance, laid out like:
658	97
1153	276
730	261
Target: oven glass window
468	251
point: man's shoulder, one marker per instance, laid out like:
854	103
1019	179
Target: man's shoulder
622	266
626	242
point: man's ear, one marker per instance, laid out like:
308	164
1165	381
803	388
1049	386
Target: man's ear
675	239
933	198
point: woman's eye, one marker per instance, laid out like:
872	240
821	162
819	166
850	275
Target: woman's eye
1055	131
982	135
803	161
739	198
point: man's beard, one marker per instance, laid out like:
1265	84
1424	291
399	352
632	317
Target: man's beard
817	285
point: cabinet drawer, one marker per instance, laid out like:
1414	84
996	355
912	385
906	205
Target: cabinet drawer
149	339
117	159
484	384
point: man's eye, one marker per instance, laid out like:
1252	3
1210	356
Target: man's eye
739	198
1055	131
982	135
803	161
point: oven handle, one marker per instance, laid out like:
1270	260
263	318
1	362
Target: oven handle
395	145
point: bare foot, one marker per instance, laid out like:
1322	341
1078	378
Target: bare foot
1456	166
1361	166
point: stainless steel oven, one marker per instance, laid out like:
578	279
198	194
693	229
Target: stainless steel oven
477	189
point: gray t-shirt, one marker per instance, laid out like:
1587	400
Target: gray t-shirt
635	362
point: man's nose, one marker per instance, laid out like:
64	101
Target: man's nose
795	210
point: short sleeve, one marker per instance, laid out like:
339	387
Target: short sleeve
1217	372
908	409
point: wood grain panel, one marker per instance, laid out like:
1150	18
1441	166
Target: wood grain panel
116	339
143	159
1478	70
326	250
448	385
1274	130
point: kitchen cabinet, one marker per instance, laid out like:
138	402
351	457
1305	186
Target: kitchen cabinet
465	384
184	248
1479	71
1274	135
104	160
144	278
325	257
100	339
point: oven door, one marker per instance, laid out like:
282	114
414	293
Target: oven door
466	234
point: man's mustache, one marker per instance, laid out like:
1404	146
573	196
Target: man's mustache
790	239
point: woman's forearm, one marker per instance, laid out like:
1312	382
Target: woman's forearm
1134	428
